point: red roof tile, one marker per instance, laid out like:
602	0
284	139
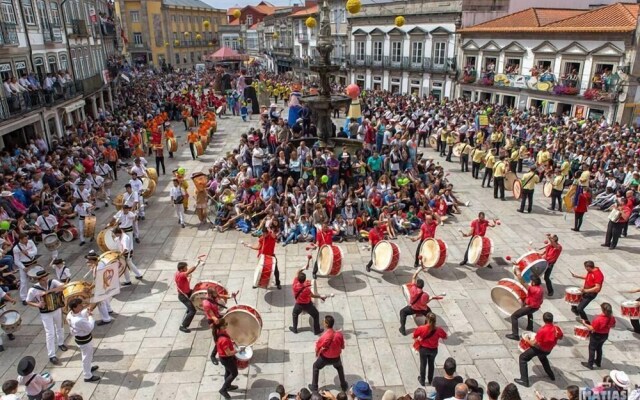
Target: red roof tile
305	12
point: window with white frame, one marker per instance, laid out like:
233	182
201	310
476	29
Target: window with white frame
416	52
396	51
470	61
135	16
64	63
137	37
29	16
360	51
512	65
542	65
249	19
439	53
377	51
8	13
55	15
53	65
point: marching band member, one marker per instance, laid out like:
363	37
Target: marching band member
427	231
324	236
557	181
328	349
177	198
82	192
25	253
83	209
105	171
51	319
226	353
551	253
532	303
375	236
105	305
139	169
97	183
129	223
183	286
581	207
499	171
418	301
126	248
489	161
192	139
211	309
81	324
592	285
529	181
302	295
599	328
513	160
545	340
267	245
635	323
4	297
62	272
136	187
427	337
478	228
48	224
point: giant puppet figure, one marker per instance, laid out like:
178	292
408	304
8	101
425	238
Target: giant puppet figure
294	104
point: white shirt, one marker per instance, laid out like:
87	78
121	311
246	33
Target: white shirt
175	192
103	169
140	171
256	156
47	224
130	199
136	185
35	292
24	253
62	273
80	324
37	385
84	195
96	181
125	221
125	243
82	209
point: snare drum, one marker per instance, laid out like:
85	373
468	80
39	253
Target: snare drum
110	257
172	145
433	142
153	174
199	292
199	148
244	324
51	242
434	253
524	345
243	358
329	260
385	256
573	295
148	187
517	189
10	321
480	251
508	295
69	234
89	226
32	272
630	309
264	271
77	289
107	241
509	179
581	332
547	189
530	264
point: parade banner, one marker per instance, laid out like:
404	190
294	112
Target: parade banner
107	282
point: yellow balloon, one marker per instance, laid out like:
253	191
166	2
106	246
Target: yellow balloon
399	21
311	22
176	42
166	44
186	33
206	24
354	6
236	14
198	36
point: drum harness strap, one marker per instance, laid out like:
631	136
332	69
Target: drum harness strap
528	180
324	348
416	299
43	310
300	291
180	291
47	224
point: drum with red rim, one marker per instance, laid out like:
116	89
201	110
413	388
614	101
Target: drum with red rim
530	264
508	295
385	256
243	357
434	253
264	271
517	189
547	189
630	309
581	332
480	251
199	292
244	324
329	260
525	338
69	234
573	295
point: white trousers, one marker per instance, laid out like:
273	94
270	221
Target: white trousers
24	282
180	212
81	229
141	205
133	268
53	330
136	232
86	350
104	307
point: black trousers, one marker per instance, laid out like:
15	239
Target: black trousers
114	167
466	253
441	147
407	310
191	310
527	194
488	173
578	220
159	162
547	278
416	263
310	309
475	169
596	342
214	352
526	310
513	166
579	309
427	358
498	187
625	228
520	165
528	356
614	230
192	148
450	153
556	195
276	271
370	263
230	371
322	362
464	162
635	323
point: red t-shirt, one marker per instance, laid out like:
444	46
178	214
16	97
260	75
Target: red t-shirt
479	227
547	337
551	254
211	308
583	203
594	278
324	237
432	342
332	342
535	295
418	299
428	230
182	282
223	343
375	236
602	324
267	245
302	290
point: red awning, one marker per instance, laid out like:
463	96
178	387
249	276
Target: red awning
225	53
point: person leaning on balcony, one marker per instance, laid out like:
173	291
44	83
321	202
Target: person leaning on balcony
24	82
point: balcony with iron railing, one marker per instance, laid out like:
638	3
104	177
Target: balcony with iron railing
79	28
418	64
303	38
90	85
8	34
19	104
108	28
138	46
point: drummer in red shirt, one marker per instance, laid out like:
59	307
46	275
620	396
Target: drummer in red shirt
375	235
184	292
328	350
267	245
532	303
427	338
323	237
211	308
546	339
478	228
427	231
226	353
302	295
584	199
551	253
418	301
599	329
592	285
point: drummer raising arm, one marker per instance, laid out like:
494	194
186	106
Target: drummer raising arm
427	231
478	228
532	303
184	292
48	224
4	297
418	301
323	237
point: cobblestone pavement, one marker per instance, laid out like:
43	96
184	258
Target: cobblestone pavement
142	355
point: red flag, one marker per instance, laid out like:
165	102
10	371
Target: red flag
123	36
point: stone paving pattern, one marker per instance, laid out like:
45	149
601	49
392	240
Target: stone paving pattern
142	355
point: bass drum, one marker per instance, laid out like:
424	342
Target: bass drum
385	256
148	187
52	242
199	148
329	260
457	149
517	189
433	142
568	199
110	257
172	145
480	251
153	174
107	241
89	226
530	264
244	324
510	179
118	201
508	295
69	234
77	289
199	292
547	189
434	253
264	271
